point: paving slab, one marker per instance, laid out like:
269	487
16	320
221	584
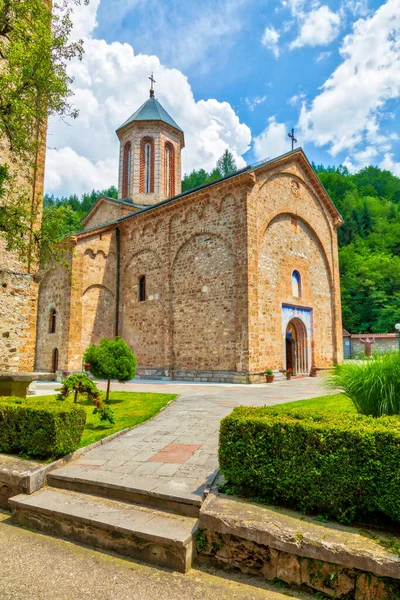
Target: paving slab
185	434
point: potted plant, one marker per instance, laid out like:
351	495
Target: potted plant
288	373
269	375
313	371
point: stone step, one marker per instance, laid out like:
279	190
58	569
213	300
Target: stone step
153	536
174	495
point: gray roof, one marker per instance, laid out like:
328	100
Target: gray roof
151	110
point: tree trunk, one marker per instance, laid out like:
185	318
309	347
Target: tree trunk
75	396
108	390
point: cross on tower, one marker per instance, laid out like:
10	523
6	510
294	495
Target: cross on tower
152	86
294	140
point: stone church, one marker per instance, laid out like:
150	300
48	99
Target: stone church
217	283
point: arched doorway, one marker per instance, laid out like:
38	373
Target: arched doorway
54	361
296	347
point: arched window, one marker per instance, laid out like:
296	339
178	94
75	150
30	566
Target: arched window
54	361
296	284
126	170
169	170
53	320
146	166
142	288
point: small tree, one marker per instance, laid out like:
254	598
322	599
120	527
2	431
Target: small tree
226	163
81	385
111	359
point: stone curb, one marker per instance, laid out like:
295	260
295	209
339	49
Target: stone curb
290	532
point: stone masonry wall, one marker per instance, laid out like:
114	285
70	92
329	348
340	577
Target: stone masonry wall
290	229
194	315
332	580
54	293
18	287
84	297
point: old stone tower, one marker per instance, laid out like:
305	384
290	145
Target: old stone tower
217	283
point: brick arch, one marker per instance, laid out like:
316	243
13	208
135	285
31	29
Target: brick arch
126	169
203	302
200	232
171	188
300	181
143	142
270	221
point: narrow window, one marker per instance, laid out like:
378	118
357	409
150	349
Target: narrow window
296	284
167	169
54	361
53	319
147	168
142	288
126	170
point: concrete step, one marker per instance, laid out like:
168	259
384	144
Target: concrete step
154	536
174	495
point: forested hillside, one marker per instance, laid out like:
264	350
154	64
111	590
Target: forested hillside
369	239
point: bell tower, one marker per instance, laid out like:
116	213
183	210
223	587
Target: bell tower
150	154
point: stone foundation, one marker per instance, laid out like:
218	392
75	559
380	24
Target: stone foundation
335	581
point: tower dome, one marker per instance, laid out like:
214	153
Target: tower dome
150	154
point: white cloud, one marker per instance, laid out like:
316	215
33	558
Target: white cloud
390	165
318	27
252	103
297	99
322	56
270	39
361	159
84	19
271	142
348	109
110	83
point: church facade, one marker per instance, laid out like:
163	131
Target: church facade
215	284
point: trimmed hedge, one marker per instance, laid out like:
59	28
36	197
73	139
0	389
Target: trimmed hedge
344	467
40	427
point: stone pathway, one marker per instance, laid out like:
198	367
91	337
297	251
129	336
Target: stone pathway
175	455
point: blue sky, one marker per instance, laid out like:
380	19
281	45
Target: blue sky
237	74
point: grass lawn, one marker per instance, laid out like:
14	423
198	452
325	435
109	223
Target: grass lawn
336	403
129	408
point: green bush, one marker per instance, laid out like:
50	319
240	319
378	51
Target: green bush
341	467
40	427
372	385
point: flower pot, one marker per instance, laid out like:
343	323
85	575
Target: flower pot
269	378
313	374
288	376
86	366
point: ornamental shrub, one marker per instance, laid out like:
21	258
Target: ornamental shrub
40	427
111	359
343	467
372	385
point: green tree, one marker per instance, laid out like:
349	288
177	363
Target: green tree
111	359
226	163
34	51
